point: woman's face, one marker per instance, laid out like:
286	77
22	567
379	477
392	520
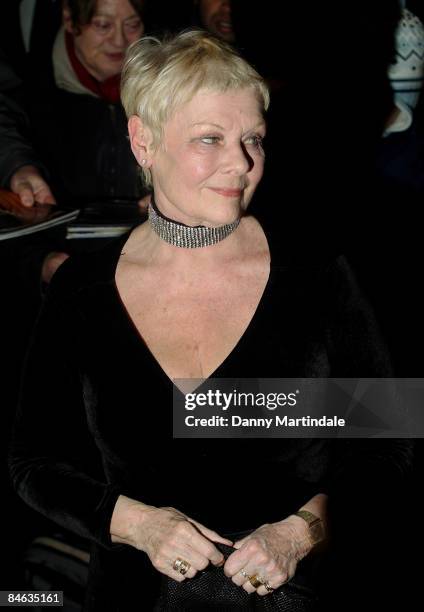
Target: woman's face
215	16
101	44
211	158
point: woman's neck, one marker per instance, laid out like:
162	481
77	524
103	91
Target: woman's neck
146	248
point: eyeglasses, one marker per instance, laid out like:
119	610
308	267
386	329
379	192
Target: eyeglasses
105	27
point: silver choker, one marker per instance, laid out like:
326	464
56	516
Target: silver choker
184	236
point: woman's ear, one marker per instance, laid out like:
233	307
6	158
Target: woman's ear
141	141
67	19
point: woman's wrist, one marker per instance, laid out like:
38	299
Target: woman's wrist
309	524
128	519
314	516
299	534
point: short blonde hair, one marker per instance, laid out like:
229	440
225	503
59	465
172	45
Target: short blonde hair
159	76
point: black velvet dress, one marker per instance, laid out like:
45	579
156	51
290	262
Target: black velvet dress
95	417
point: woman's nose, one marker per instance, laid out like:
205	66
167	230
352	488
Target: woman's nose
239	160
118	37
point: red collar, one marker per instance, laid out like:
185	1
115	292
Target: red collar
107	90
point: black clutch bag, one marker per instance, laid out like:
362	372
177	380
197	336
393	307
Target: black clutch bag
211	590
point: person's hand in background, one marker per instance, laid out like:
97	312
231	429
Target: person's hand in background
30	186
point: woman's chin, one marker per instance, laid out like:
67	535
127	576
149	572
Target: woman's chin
109	71
223	219
230	215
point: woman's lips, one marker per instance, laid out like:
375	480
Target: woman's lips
228	193
115	57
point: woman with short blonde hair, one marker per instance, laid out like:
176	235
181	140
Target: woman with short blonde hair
197	291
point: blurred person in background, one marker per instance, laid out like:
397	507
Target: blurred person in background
216	17
87	156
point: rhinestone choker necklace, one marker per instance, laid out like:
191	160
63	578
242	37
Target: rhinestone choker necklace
181	235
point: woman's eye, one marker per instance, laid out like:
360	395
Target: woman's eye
102	27
255	140
210	139
133	26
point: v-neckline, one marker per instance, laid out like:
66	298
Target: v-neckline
141	341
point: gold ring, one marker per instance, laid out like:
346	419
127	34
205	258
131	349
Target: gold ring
256	581
268	586
181	566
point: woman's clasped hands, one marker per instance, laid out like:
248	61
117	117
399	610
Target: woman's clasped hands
180	547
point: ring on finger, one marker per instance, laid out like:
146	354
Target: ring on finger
256	581
181	566
244	574
268	586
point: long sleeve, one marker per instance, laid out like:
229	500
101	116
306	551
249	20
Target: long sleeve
15	147
357	349
354	342
16	150
54	462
